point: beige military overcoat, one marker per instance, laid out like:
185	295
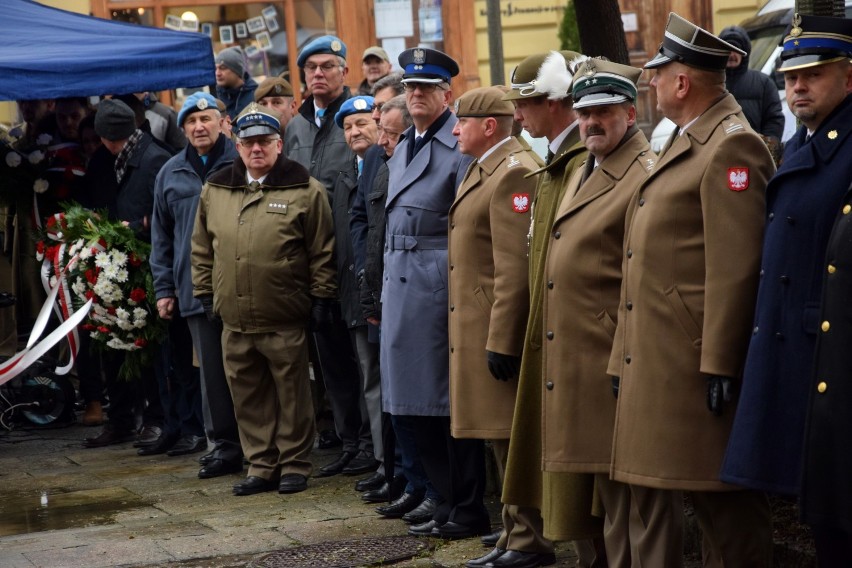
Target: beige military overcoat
489	290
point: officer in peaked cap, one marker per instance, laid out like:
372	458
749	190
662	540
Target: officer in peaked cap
425	65
529	73
702	234
255	120
598	82
791	392
277	94
686	43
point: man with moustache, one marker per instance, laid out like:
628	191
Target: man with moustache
489	294
541	93
804	265
690	274
176	195
581	297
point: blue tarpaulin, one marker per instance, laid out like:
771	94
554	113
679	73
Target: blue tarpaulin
46	53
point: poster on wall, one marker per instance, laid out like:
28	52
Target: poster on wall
394	18
226	34
431	25
207	29
240	29
172	22
264	41
189	25
272	24
255	25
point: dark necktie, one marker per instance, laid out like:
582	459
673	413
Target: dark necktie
418	143
254	186
549	157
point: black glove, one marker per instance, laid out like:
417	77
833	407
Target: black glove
321	314
207	304
616	382
503	367
719	391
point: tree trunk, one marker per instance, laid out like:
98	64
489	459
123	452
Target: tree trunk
601	30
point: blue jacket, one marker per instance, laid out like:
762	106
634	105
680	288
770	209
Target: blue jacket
176	193
237	99
802	199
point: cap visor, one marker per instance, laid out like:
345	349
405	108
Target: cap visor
659	60
258	130
803	61
416	79
599	99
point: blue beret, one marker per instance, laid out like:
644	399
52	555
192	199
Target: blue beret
425	65
254	120
362	103
324	44
194	103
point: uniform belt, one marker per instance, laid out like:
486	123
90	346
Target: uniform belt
411	242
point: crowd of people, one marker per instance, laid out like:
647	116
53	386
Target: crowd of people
622	328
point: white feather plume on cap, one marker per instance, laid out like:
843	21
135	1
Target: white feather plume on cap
554	77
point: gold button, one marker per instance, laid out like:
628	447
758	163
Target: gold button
847	209
821	387
832	269
825	326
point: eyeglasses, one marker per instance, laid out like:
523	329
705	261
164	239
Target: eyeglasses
377	106
425	88
263	142
325	67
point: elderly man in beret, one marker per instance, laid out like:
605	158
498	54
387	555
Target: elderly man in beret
176	195
489	221
277	93
798	350
690	274
263	262
234	86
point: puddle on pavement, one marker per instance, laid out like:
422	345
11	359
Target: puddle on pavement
30	512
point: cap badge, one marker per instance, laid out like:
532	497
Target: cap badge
797	26
335	46
590	69
456	107
277	89
419	56
832	134
360	104
202	104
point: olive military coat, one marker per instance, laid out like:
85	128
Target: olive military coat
581	294
690	271
489	290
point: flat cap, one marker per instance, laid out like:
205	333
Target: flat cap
532	78
361	103
114	120
273	87
255	120
426	65
686	43
816	40
194	103
376	51
484	101
329	44
599	82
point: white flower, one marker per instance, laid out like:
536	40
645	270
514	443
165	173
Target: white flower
13	159
119	258
40	185
44	139
36	157
121	275
85	253
79	287
110	271
102	259
122	314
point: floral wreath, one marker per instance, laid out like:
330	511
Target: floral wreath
96	259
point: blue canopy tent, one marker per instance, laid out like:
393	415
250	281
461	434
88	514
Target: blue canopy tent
48	53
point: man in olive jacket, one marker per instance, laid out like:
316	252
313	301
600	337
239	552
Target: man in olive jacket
690	272
262	260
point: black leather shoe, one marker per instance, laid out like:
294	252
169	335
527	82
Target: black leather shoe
206	458
490	540
161	446
380	495
370	483
217	468
518	559
361	463
422	512
453	531
405	503
328	439
108	437
147	435
253	484
484	560
337	465
425	529
188	445
292	483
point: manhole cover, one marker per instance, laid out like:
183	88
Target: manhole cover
344	553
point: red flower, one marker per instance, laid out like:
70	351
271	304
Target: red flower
90	294
138	295
134	260
140	342
89	327
40	247
111	311
103	329
91	276
51	222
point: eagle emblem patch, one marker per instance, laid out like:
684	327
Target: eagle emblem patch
521	202
738	179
